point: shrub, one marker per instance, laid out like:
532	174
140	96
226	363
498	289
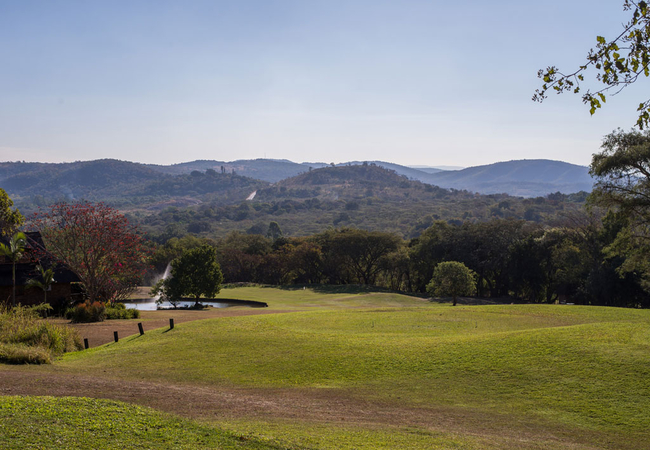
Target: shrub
25	338
119	311
87	312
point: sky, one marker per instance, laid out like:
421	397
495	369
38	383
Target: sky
411	82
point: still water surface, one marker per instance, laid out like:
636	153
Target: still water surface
150	305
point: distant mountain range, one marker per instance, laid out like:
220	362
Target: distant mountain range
213	198
270	170
274	170
525	178
110	180
431	169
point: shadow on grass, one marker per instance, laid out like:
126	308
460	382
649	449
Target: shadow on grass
333	288
327	288
481	301
345	289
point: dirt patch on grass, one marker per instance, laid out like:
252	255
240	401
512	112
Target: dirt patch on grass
100	333
330	406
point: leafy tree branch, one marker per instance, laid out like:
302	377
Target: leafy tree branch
618	63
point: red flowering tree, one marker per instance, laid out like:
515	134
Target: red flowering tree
98	244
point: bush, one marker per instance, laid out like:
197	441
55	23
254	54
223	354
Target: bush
87	312
25	338
119	311
98	312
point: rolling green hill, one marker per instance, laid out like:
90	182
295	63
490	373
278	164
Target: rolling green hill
436	376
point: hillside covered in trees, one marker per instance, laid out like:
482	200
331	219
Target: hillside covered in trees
362	196
121	184
126	184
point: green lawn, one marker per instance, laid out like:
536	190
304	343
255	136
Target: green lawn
83	423
581	373
322	297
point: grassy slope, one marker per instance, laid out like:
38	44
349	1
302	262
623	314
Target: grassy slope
586	367
577	371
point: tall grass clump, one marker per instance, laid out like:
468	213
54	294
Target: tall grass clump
25	338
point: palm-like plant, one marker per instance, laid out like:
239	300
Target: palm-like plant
47	279
14	251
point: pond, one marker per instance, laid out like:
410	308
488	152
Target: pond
150	304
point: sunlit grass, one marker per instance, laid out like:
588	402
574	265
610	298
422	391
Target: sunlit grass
580	373
82	423
323	297
340	437
589	366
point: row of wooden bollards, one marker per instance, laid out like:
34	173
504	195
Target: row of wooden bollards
140	328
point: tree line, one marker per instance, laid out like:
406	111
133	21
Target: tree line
511	258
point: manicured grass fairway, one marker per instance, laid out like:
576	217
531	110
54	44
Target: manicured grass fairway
580	372
321	297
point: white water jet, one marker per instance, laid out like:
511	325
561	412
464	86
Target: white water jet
168	270
252	196
165	275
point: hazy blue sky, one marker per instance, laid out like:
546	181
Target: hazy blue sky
411	82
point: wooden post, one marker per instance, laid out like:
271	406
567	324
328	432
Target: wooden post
171	324
140	328
115	336
86	343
